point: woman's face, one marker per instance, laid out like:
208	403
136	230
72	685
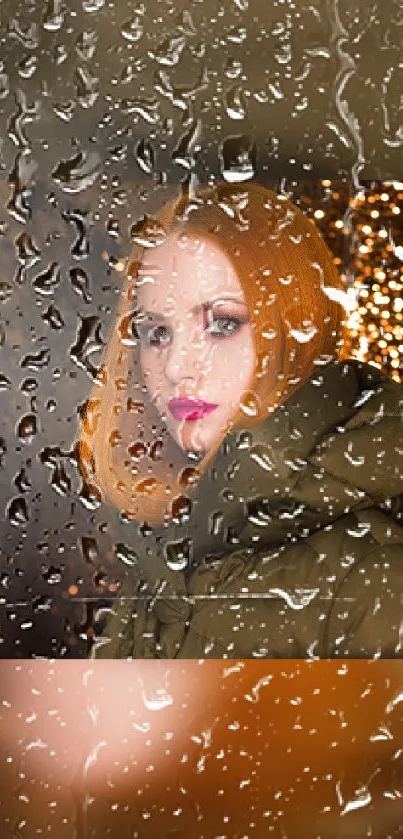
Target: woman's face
195	335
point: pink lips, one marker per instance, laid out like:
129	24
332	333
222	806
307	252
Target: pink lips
190	409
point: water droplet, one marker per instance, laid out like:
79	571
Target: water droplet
89	341
22	481
92	5
27	428
79	172
362	799
65	110
362	528
148	232
304	335
355	461
233	68
59	53
48	280
250	405
253	696
6	291
184	23
5	580
24	168
238	158
49	455
137	450
396	700
258	511
100	578
87	88
80	283
53	317
115	438
5	382
297	599
29	385
17	511
81	246
381	733
145	156
90	497
3	450
4	82
235	104
28	254
237	34
287	280
127	330
28	37
132	30
147	486
183	153
180	508
156	450
89	547
86	44
261	455
169	51
189	476
27	66
244	440
159	701
26	625
36	362
125	554
177	555
146	108
215	527
60	480
52	575
53	18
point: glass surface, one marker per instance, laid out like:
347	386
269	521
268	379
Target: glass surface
108	110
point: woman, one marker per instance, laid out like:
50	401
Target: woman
264	519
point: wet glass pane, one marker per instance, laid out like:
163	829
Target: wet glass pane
201	202
111	115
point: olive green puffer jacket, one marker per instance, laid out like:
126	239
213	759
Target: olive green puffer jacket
294	546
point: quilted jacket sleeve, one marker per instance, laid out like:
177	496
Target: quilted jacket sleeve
290	602
130	629
366	616
269	605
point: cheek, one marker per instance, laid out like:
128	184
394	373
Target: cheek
149	367
242	357
249	354
236	365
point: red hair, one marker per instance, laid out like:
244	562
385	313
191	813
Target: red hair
294	293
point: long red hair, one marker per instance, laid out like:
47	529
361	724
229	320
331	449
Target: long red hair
295	298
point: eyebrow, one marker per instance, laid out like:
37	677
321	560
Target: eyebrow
196	309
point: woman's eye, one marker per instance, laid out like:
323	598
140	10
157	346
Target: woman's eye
151	335
155	335
229	327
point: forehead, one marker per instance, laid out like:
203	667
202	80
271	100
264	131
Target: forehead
186	269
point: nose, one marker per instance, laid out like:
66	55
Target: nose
185	357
